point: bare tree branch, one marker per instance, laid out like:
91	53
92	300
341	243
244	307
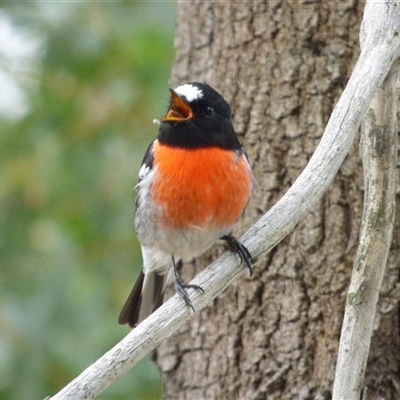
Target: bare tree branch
379	155
380	49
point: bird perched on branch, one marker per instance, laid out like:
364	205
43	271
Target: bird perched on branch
194	184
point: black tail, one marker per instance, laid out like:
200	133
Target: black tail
146	296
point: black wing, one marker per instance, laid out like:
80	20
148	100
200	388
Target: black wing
147	165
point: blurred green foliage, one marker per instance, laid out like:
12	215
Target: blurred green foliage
68	253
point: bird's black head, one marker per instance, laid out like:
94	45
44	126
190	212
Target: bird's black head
198	116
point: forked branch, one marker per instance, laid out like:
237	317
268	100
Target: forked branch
379	155
381	48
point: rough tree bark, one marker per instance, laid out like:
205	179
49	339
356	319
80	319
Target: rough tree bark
282	66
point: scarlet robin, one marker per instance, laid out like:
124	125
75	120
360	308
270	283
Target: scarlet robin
194	184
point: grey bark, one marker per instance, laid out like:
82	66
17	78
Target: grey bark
282	66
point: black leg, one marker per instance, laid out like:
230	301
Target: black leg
241	251
180	286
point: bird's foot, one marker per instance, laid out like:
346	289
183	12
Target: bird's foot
181	287
241	251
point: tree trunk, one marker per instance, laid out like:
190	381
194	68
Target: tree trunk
282	66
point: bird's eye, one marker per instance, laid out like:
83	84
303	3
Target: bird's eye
208	112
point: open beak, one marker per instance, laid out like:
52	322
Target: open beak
179	111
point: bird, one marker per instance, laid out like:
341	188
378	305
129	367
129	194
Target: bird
193	186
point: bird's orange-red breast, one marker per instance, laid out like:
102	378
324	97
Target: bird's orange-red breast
194	184
200	187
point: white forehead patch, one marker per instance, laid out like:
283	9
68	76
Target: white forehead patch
190	92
